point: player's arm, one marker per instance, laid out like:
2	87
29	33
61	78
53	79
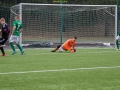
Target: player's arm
73	47
21	30
14	27
0	31
6	29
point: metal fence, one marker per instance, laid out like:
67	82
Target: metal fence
6	4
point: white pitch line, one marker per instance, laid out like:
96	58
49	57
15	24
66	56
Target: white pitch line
59	70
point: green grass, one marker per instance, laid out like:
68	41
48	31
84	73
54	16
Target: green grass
74	71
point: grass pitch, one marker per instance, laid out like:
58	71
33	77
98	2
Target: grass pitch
40	69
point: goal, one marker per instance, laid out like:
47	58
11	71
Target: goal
92	24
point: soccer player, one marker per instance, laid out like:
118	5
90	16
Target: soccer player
5	34
14	38
117	41
68	46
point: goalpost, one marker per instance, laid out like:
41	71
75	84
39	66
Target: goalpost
58	22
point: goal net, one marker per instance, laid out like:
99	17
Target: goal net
92	24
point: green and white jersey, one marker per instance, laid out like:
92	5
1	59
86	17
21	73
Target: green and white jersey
18	25
119	34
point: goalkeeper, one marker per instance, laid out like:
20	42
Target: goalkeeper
68	46
117	41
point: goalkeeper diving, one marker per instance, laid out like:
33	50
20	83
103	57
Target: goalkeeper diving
68	46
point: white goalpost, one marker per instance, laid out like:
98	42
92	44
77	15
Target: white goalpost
58	22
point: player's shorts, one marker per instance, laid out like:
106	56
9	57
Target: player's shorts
14	38
118	37
2	41
64	48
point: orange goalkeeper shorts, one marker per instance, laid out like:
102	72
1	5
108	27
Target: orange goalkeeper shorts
66	48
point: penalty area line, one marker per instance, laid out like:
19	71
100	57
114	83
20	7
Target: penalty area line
59	70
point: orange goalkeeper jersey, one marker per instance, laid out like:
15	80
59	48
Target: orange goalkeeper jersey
69	44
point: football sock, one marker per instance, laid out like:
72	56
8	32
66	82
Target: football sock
117	44
18	45
2	50
57	47
12	46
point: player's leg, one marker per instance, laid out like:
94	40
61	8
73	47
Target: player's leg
117	44
13	48
19	46
11	40
2	41
2	50
117	41
56	48
68	49
64	47
61	48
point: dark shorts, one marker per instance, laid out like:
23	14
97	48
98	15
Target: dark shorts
2	41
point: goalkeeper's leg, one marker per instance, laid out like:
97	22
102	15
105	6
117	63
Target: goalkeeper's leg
68	49
56	48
